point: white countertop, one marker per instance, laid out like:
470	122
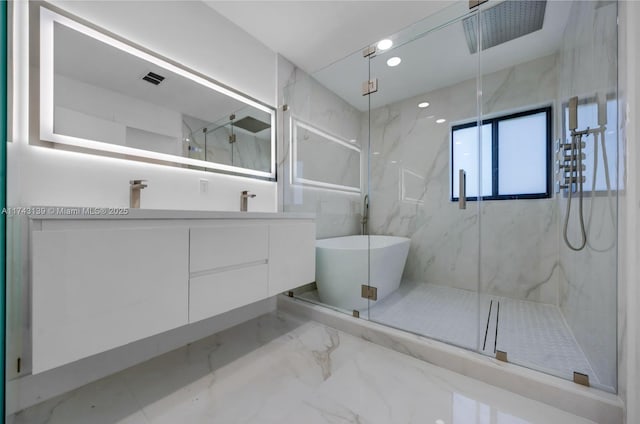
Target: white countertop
76	212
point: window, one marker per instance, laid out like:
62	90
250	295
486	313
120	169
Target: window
515	157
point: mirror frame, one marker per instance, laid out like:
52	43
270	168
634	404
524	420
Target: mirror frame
47	20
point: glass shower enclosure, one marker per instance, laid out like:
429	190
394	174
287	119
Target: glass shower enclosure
486	142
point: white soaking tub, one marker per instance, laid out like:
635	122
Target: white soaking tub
342	268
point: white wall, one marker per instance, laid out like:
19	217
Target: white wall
110	108
191	33
629	230
188	32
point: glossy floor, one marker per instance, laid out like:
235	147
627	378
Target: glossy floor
281	369
533	334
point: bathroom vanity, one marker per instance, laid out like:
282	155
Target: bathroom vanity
101	281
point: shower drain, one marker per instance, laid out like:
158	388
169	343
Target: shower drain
489	326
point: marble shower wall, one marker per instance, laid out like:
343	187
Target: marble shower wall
518	241
410	191
588	283
323	125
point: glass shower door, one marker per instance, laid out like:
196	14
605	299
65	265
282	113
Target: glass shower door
553	297
425	182
323	171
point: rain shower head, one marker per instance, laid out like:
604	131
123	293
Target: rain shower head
251	124
504	22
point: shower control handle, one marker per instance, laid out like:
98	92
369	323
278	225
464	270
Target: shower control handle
462	192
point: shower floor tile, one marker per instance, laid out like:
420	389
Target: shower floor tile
443	313
533	334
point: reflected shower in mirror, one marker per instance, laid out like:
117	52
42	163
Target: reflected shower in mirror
102	94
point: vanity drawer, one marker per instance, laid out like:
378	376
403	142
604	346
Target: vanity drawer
213	294
223	246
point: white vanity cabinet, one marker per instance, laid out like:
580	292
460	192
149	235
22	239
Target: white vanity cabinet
96	289
100	283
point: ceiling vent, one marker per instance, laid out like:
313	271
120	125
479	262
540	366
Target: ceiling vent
153	78
504	22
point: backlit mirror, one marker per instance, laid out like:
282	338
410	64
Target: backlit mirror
103	94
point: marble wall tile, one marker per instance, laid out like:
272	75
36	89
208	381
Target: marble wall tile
325	159
515	240
588	295
338	212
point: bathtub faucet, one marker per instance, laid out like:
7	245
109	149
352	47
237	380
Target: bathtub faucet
365	215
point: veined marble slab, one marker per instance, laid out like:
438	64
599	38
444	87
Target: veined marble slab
593	404
282	369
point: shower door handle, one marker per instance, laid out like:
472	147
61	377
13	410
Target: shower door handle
462	192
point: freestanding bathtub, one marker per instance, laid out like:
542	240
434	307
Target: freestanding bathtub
342	268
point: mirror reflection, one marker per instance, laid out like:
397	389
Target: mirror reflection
108	95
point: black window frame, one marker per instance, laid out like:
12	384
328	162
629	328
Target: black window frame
495	170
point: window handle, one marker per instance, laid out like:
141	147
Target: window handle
462	192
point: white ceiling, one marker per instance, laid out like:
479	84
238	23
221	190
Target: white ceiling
439	59
93	62
314	34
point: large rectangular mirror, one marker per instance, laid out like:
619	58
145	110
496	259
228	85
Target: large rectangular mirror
100	93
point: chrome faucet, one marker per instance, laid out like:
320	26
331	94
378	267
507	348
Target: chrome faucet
244	200
365	215
134	192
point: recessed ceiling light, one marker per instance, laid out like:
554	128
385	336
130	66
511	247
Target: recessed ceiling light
440	121
353	140
394	61
376	153
394	161
423	105
384	44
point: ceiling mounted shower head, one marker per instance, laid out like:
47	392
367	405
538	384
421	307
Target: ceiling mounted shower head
504	22
251	124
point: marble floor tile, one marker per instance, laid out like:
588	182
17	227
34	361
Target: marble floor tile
533	334
283	369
